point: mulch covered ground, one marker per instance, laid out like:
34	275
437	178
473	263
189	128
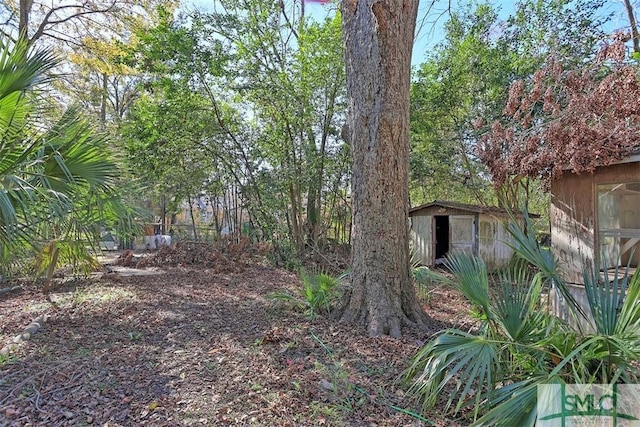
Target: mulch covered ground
201	344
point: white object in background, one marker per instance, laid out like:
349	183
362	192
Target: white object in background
150	242
162	240
108	246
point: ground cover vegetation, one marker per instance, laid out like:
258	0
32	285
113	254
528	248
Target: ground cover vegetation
202	343
519	342
239	126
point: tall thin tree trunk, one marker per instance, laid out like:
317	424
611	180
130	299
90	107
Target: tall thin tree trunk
25	13
216	211
103	102
378	43
193	220
635	34
295	223
236	215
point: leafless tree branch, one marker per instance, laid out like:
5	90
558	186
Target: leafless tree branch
48	22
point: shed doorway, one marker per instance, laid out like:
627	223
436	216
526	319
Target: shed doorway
441	241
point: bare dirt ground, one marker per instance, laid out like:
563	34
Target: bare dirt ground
202	344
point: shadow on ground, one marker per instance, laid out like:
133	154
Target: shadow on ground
194	347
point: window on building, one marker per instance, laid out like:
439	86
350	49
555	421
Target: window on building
619	224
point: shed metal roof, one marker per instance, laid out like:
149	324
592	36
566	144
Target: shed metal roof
492	210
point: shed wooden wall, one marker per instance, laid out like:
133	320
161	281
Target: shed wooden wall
560	308
489	242
421	238
573	215
493	238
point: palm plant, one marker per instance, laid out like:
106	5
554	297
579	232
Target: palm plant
421	277
320	291
518	344
57	181
19	72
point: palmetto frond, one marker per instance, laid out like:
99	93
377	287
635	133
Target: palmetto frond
520	345
22	68
466	361
19	71
57	181
472	280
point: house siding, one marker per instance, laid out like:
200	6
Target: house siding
573	216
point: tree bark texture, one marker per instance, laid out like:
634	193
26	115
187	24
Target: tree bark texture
378	42
25	12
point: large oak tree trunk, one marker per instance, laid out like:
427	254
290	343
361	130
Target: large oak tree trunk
378	43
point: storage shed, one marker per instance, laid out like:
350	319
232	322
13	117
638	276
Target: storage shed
441	227
596	217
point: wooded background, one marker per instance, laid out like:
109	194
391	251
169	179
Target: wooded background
233	120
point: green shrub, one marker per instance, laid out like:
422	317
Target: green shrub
422	277
319	290
318	294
